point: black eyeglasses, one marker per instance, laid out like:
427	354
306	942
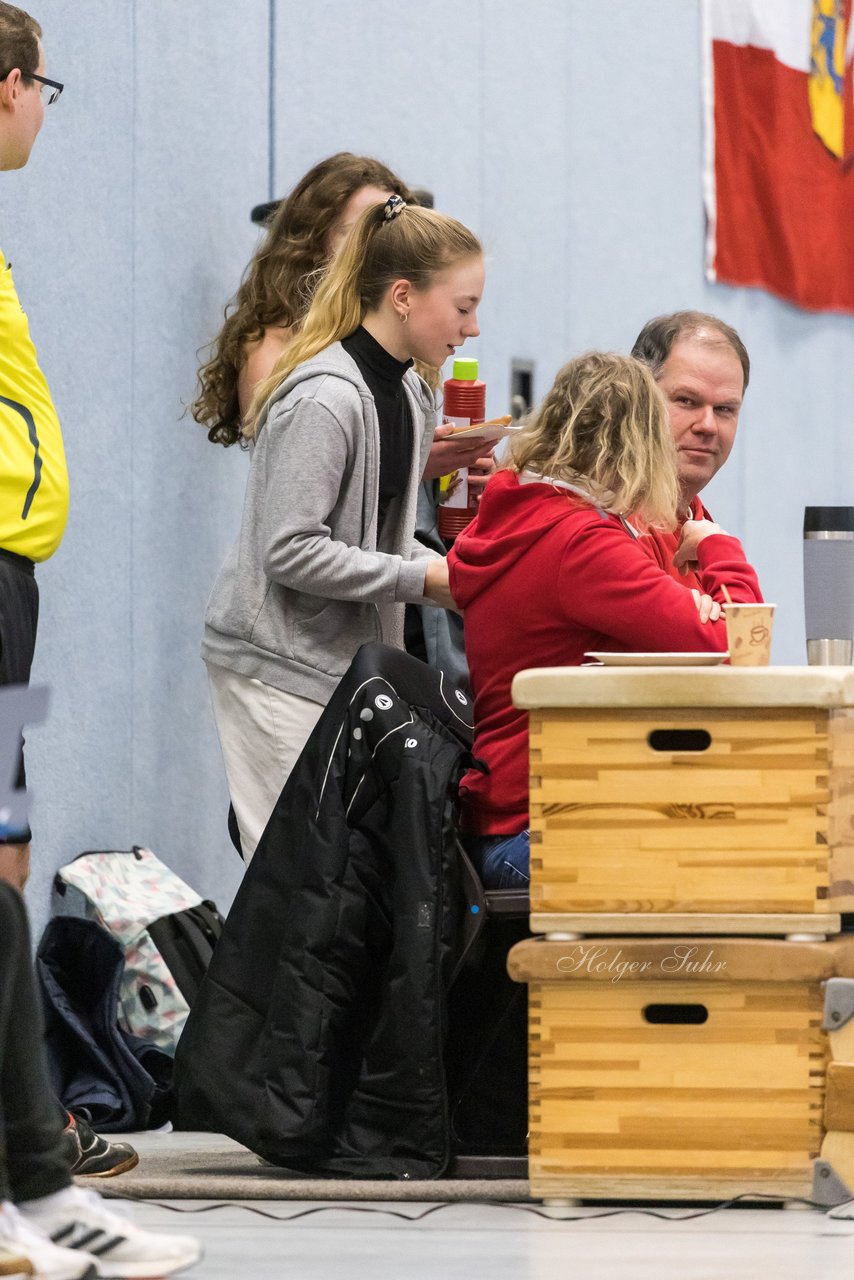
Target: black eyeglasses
53	85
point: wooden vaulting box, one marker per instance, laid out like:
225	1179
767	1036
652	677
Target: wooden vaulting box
688	1067
700	799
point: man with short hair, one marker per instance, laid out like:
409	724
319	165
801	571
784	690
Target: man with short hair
34	480
702	368
37	1156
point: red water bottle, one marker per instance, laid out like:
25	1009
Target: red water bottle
464	405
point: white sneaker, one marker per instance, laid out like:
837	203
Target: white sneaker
19	1236
14	1266
77	1218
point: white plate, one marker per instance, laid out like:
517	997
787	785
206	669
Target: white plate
659	659
485	433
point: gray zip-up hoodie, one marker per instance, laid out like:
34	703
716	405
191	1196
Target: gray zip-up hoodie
307	581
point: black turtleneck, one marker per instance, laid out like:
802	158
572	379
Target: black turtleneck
384	376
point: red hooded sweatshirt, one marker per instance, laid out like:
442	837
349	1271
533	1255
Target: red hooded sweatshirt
542	577
662	544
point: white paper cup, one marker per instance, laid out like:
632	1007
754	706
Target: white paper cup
748	633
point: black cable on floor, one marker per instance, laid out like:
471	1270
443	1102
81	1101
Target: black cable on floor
546	1212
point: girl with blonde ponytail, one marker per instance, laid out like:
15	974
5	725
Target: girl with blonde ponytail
363	267
326	558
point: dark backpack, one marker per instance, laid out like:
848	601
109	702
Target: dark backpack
186	940
98	1069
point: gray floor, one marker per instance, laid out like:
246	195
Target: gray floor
493	1242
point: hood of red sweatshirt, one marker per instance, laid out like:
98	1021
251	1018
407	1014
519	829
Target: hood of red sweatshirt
512	515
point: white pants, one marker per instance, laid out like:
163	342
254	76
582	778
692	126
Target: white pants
261	732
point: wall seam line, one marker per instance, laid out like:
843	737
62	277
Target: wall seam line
132	817
271	104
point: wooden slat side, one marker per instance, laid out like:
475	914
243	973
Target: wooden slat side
839	1102
841	1041
614	1094
840	811
750	688
621	828
838	1150
624	961
707	923
649	1186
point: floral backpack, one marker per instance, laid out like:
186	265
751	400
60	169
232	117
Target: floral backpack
166	930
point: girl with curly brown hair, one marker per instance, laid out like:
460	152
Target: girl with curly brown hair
304	234
306	231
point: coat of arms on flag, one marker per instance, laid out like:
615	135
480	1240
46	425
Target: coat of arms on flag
830	84
779	173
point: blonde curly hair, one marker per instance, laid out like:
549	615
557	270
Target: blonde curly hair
603	426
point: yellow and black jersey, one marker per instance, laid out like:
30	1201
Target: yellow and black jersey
33	474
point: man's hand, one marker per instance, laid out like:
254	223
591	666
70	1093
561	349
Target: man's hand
447	455
436	584
708	609
479	473
693	533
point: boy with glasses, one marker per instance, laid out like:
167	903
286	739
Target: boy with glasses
36	1155
34	488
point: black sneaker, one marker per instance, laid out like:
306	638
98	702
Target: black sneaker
92	1156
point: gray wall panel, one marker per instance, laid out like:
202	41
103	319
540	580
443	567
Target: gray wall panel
526	184
200	146
379	78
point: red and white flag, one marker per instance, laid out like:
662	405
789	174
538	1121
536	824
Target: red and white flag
779	172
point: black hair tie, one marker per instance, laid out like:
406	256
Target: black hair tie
394	206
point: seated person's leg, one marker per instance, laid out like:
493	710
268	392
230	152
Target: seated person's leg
502	862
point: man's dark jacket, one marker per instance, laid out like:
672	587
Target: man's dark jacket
317	1036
